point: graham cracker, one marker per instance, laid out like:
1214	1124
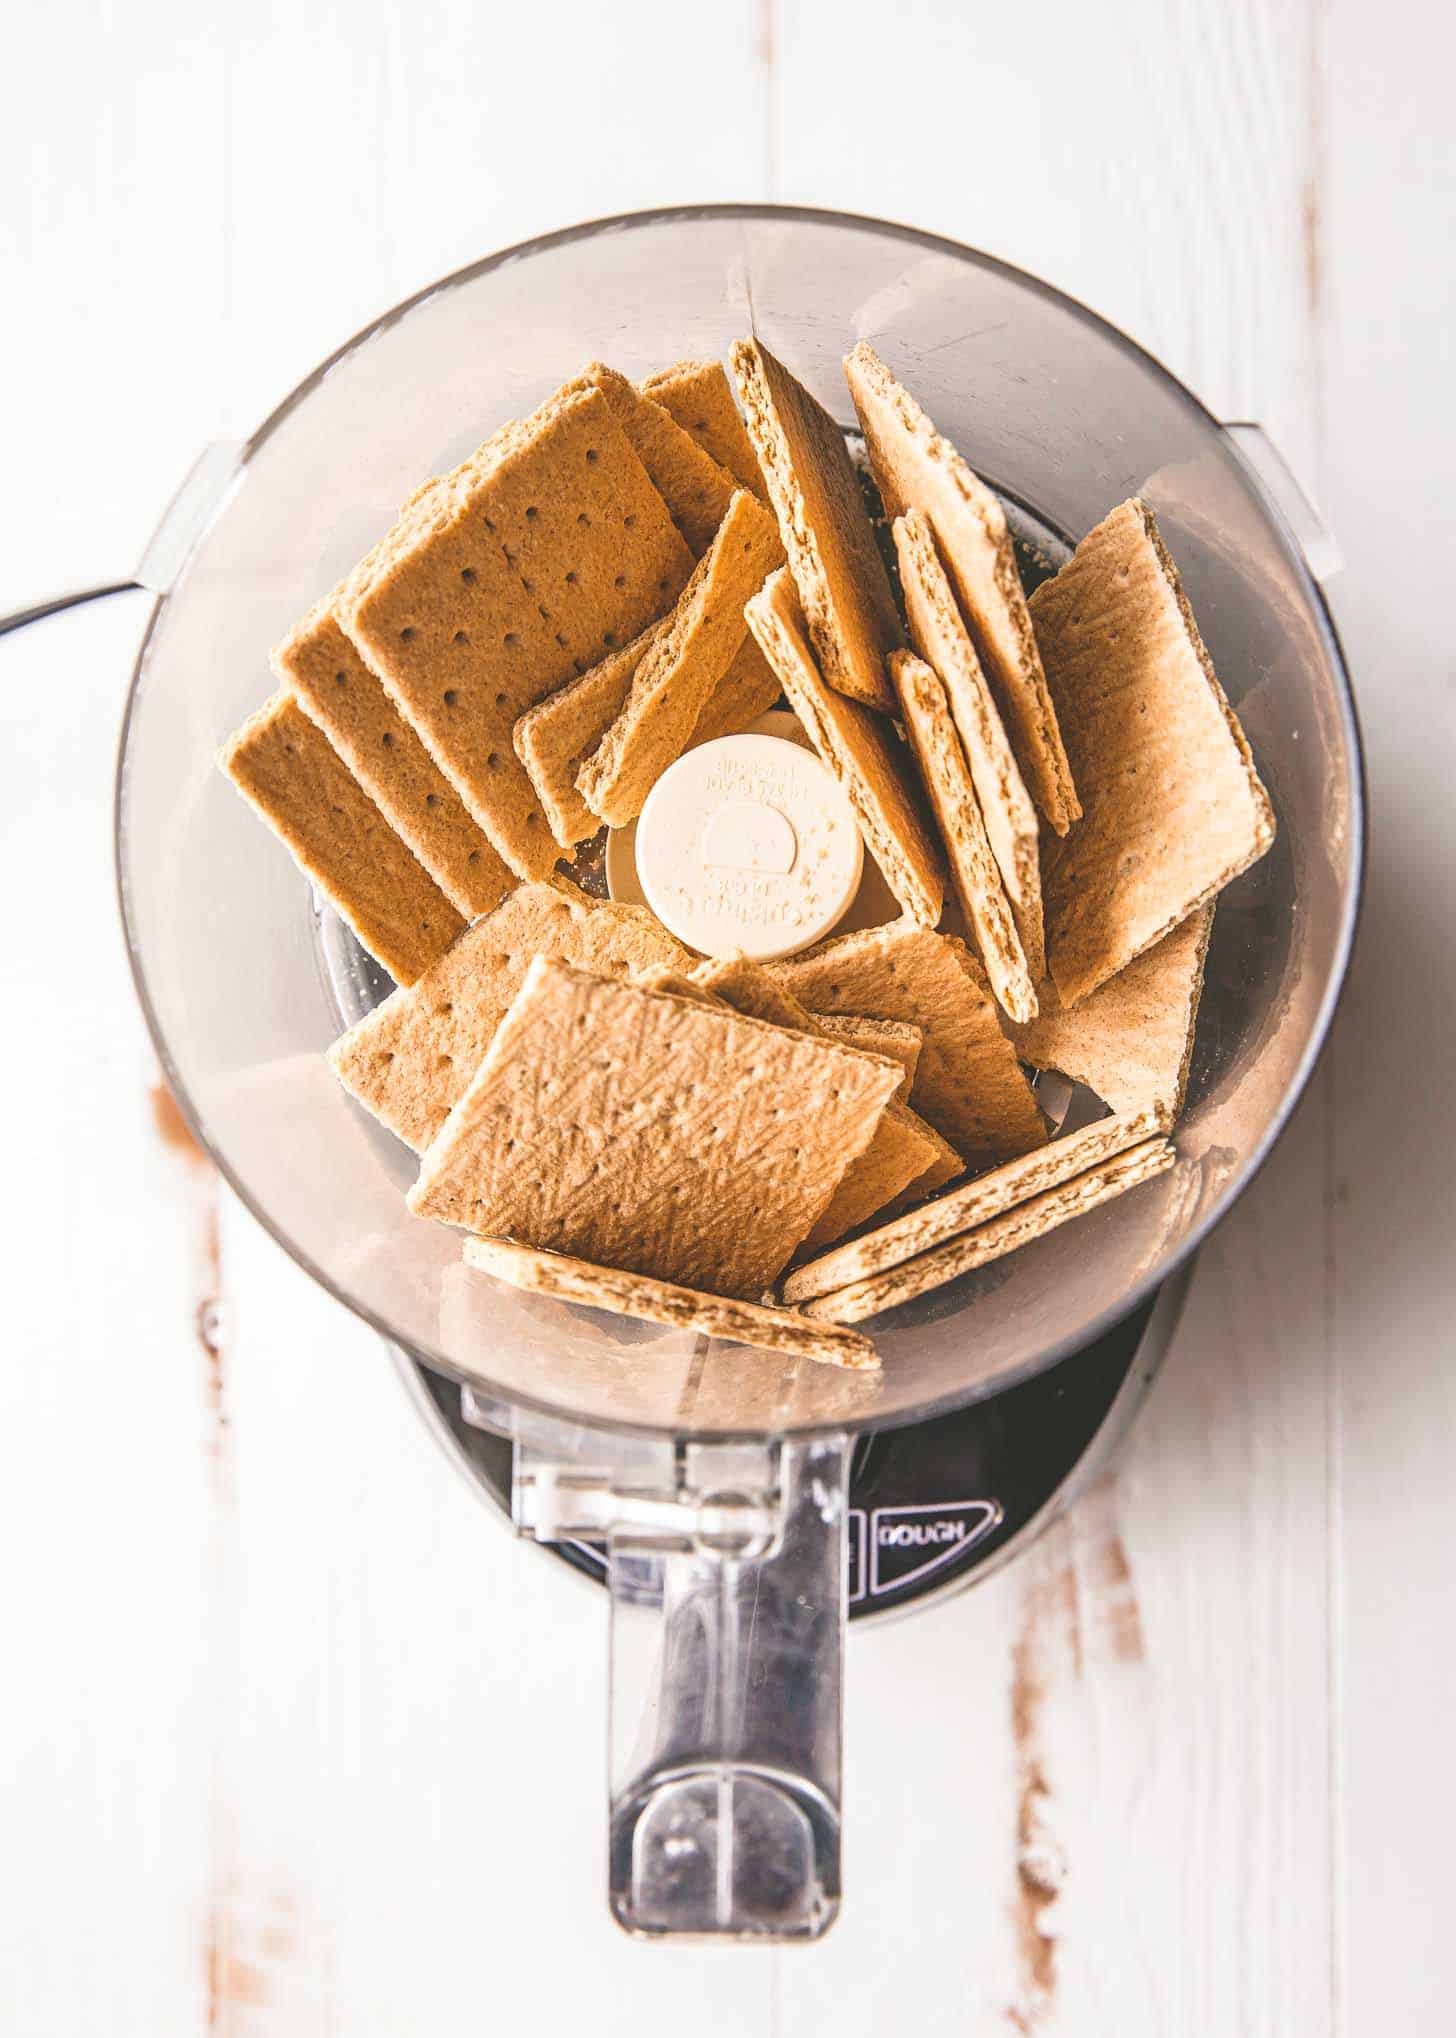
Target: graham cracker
697	394
843	586
969	1083
690	481
899	1154
423	495
861	750
291	774
1174	806
556	737
409	1061
945	1166
682	666
993	1241
920	1230
743	1323
918	469
547	548
650	1132
925	705
748	689
903	1148
894	1037
886	1177
1131	1040
338	692
939	635
914	1160
749	987
662	977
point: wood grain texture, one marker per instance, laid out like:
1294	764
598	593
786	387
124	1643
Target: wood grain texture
113	1441
1390	1134
304	1741
1196	122
255	260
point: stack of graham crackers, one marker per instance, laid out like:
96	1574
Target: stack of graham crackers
763	1153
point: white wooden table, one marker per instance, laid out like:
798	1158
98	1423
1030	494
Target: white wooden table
296	1739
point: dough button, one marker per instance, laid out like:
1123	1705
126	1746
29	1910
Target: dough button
747	846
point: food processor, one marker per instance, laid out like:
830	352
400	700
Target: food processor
740	1507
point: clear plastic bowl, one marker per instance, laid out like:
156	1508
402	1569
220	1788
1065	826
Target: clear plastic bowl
245	984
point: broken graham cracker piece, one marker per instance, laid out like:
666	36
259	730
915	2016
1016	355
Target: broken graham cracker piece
945	1166
682	666
906	1160
556	737
1131	1040
338	692
748	987
690	481
936	742
903	1149
843	586
942	1163
861	750
547	548
662	977
650	1132
907	1157
698	396
916	468
748	689
993	1240
969	1083
898	1155
1174	808
409	1061
939	635
931	1224
290	773
894	1037
752	988
720	1316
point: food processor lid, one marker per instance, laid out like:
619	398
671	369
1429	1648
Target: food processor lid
226	950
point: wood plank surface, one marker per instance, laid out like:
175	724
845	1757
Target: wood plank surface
299	1740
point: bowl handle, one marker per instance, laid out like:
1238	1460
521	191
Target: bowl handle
207	484
726	1564
56	604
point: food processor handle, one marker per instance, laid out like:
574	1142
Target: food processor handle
55	604
217	467
727	1568
204	488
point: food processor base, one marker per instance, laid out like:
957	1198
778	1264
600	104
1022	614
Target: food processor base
934	1505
